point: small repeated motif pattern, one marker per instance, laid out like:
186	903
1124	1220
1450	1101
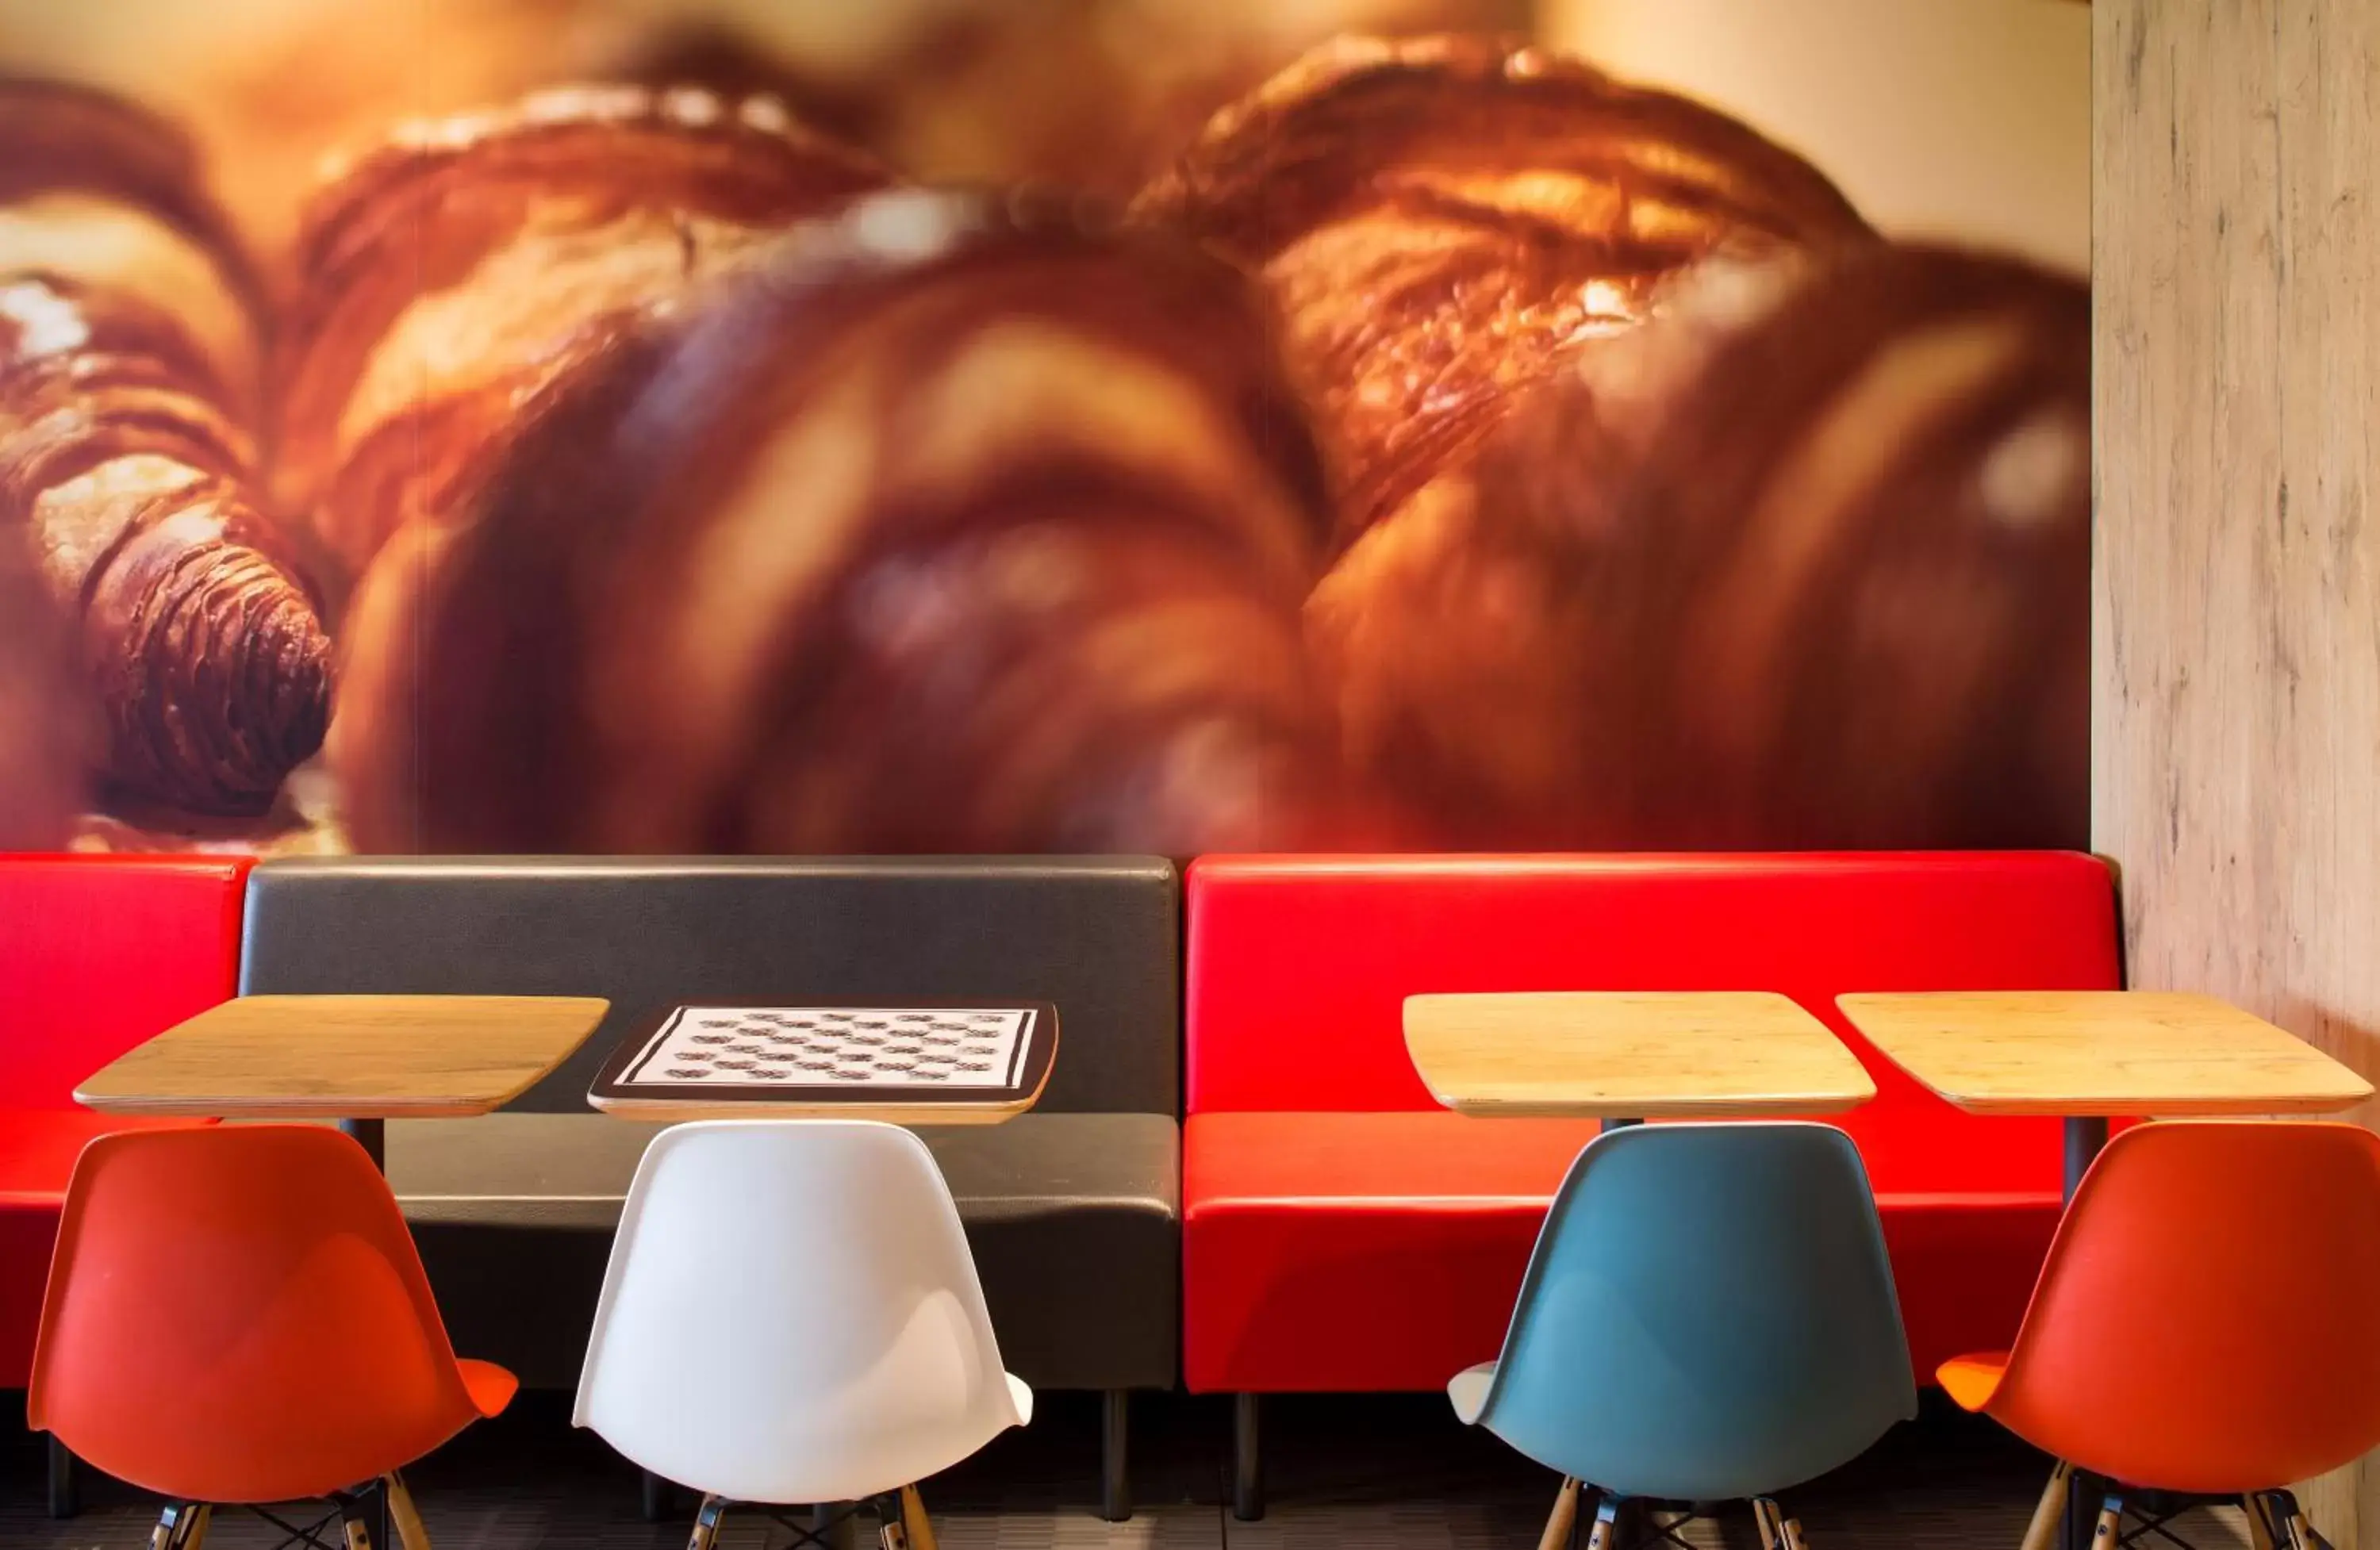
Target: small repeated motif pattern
965	1047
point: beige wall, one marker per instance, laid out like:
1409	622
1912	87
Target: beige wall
2236	777
1959	118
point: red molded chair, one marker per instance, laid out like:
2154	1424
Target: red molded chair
1344	1232
237	1315
2207	1323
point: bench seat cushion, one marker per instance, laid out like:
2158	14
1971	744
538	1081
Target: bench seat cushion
1345	1232
1350	1252
1073	1220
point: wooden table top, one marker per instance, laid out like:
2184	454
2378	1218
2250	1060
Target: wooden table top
2101	1052
346	1056
1631	1055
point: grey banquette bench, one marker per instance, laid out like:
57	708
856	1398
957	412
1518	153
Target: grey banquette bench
1072	1209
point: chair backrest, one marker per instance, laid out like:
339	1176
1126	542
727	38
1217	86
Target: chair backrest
238	1314
1709	1314
1099	937
100	953
1298	966
2208	1318
792	1315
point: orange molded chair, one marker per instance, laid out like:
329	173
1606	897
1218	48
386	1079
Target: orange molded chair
238	1315
2207	1323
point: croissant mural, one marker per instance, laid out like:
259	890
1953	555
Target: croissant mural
1450	443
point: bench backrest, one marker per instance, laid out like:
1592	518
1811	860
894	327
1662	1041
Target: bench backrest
1099	937
1298	966
100	953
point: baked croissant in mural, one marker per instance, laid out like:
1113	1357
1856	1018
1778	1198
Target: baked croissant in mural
448	277
130	381
41	755
1803	563
953	527
1443	220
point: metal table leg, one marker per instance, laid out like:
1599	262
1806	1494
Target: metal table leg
64	1500
2087	1136
373	1136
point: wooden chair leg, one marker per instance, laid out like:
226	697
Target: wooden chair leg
2111	1529
2301	1532
2261	1519
1769	1519
920	1528
402	1516
359	1515
1792	1532
706	1523
1607	1514
1564	1519
2049	1514
182	1526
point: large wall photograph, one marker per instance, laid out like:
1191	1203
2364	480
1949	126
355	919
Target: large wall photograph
1150	426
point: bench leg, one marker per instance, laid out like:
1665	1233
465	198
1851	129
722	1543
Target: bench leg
1248	1463
64	1500
1115	1455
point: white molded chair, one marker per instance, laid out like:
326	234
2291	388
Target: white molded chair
791	1315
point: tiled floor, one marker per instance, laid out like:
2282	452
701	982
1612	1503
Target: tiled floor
1393	1472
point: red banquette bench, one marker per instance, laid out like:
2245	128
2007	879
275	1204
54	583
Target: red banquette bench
97	954
1341	1233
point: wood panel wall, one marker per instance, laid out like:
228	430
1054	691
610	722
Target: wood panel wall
2236	262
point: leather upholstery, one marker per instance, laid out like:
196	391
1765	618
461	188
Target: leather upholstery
99	953
1071	1216
1098	937
1341	1231
1072	1208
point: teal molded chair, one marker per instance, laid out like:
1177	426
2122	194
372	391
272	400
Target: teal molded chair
1708	1316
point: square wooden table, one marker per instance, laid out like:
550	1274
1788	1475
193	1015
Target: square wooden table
1629	1055
923	1064
2087	1055
358	1059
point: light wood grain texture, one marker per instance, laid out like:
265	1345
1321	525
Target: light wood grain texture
1630	1055
914	1520
346	1056
1563	1519
2101	1052
2236	701
2050	1513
